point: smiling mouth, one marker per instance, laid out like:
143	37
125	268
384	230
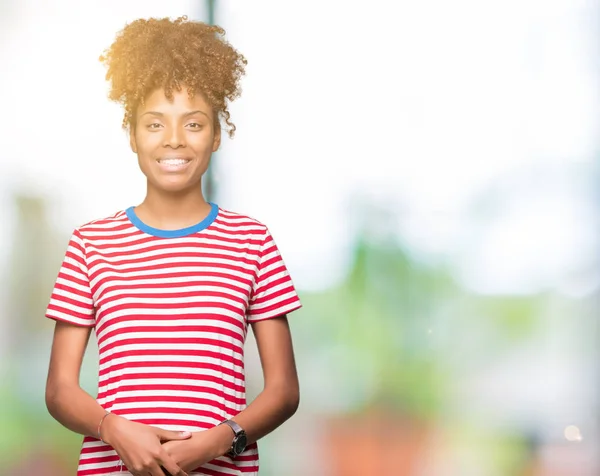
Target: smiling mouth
172	165
173	161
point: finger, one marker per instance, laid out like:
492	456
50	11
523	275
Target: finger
156	470
168	473
175	471
171	468
165	471
166	435
145	472
136	473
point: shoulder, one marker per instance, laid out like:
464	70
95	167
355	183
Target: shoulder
240	222
103	226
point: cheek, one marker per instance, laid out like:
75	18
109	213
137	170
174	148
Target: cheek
145	147
147	143
201	148
144	165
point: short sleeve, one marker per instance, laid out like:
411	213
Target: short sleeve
273	292
71	300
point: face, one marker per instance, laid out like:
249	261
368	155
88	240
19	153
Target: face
174	140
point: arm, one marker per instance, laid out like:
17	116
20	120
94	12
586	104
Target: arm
281	393
138	445
67	402
273	406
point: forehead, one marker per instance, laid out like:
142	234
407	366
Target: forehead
158	101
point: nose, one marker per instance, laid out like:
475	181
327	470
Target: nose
174	138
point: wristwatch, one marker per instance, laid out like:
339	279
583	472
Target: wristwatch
239	440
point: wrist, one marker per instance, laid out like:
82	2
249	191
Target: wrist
107	428
223	438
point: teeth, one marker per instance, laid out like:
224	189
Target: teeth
173	161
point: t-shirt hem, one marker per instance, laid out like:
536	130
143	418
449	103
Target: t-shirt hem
279	313
68	321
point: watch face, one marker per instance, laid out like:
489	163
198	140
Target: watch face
239	444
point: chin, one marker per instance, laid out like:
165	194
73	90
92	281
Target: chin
175	186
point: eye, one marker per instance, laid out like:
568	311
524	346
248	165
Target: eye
154	125
195	125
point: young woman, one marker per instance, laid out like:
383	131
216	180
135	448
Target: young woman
170	286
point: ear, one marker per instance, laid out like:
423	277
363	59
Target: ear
132	142
217	137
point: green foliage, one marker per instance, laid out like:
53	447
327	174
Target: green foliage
516	316
390	323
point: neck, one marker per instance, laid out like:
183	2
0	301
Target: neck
172	211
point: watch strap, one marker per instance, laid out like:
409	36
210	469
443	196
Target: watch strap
239	435
237	429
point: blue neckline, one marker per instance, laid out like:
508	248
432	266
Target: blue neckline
190	230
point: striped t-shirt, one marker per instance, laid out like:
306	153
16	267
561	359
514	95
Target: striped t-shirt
171	310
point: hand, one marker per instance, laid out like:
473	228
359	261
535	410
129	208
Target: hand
139	446
202	447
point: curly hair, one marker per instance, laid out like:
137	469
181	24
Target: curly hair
172	54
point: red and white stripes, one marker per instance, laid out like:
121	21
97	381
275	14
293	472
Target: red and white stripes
170	314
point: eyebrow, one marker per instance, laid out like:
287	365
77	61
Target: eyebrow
187	114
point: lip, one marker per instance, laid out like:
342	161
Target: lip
179	163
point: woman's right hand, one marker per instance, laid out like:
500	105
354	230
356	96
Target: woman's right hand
140	446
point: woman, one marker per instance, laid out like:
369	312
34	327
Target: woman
171	285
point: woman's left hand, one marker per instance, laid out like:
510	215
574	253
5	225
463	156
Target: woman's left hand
202	447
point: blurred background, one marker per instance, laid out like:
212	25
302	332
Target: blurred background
430	172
